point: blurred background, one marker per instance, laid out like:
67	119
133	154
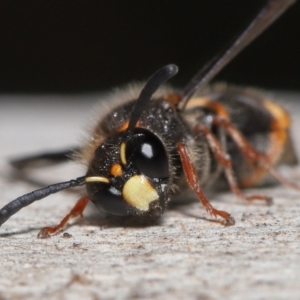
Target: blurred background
89	46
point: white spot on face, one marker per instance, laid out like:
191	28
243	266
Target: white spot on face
147	150
114	191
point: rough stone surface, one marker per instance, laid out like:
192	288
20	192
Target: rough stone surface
187	256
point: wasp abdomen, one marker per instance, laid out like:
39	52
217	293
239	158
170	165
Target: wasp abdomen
263	123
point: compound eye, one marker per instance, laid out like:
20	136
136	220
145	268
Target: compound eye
148	154
110	200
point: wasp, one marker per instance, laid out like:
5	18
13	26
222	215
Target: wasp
156	142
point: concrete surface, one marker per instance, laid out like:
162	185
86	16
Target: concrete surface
185	257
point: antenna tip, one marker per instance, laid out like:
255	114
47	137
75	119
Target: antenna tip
171	70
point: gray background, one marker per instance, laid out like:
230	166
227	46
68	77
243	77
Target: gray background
187	256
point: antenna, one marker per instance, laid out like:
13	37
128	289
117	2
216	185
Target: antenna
268	14
14	206
153	83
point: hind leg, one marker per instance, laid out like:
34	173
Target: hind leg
224	159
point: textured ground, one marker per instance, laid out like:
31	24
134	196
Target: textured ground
184	257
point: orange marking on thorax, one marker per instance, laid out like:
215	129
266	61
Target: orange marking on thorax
173	99
124	126
214	106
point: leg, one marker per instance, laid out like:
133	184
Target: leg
44	159
253	157
192	180
224	159
76	211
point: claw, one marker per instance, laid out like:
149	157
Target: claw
43	234
229	222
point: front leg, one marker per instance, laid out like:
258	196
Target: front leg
191	176
77	210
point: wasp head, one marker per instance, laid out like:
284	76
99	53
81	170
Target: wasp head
129	174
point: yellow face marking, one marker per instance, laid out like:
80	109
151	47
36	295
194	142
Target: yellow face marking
97	179
116	170
122	154
139	193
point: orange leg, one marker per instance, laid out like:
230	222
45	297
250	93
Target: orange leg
253	156
224	159
76	211
192	180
